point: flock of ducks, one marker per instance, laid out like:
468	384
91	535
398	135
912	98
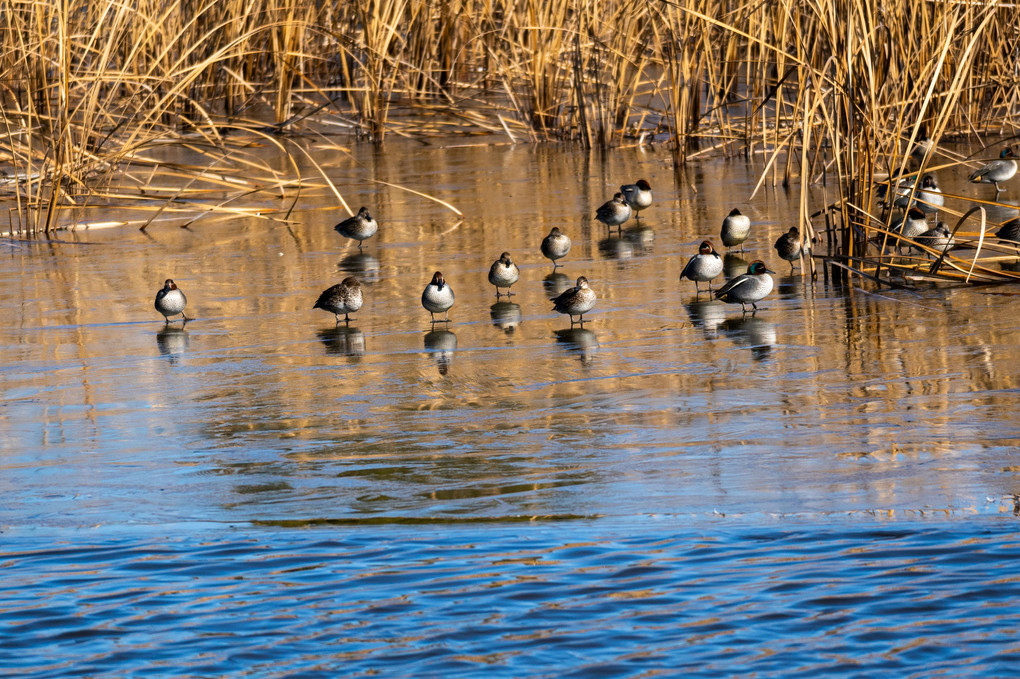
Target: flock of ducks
347	297
918	200
748	288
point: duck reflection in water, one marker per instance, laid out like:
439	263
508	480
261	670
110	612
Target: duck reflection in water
441	344
615	246
641	236
556	284
343	340
707	315
751	332
733	265
579	340
172	341
506	316
362	265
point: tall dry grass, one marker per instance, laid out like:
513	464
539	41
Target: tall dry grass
97	95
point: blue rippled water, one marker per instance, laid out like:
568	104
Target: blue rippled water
580	598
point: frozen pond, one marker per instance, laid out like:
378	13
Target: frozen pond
674	486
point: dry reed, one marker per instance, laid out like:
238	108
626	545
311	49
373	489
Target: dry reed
97	95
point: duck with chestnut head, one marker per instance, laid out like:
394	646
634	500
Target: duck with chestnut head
437	297
704	266
170	301
638	195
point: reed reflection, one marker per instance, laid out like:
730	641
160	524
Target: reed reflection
581	341
343	340
441	344
790	286
506	316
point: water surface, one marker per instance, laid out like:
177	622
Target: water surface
826	487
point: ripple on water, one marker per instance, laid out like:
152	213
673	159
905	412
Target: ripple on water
548	600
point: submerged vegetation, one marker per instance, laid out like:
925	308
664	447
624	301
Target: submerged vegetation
110	103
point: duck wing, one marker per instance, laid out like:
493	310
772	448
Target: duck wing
326	297
690	267
988	169
564	297
732	285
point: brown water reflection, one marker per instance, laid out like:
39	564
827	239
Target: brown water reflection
829	400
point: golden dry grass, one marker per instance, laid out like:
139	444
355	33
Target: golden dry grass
98	97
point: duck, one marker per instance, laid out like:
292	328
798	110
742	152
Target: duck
894	184
170	301
735	228
938	238
789	246
503	273
924	145
614	212
437	297
638	195
343	298
911	224
360	227
577	301
996	171
1009	230
928	197
704	266
748	288
556	245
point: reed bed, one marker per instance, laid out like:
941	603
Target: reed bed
163	104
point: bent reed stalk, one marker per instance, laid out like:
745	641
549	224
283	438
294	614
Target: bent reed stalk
832	93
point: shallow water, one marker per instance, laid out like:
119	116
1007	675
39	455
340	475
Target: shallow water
825	487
